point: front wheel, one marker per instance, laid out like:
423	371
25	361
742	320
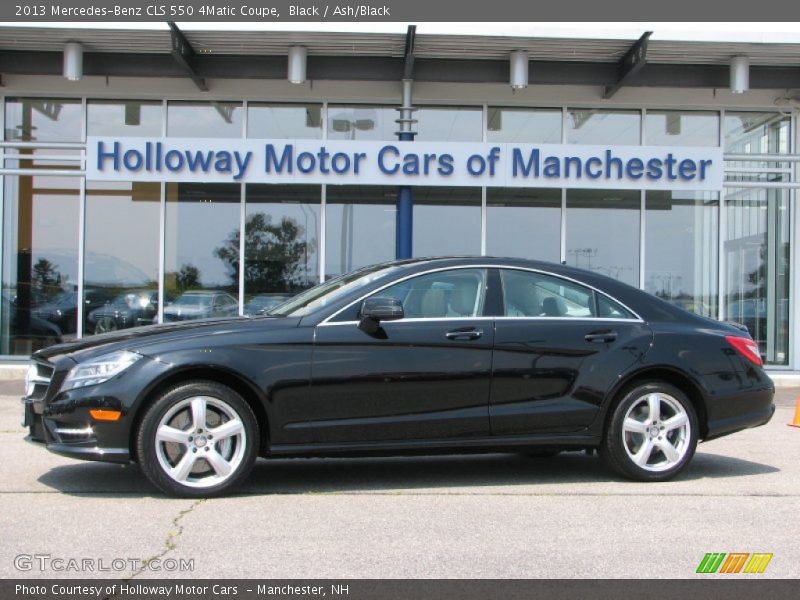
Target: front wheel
652	433
198	439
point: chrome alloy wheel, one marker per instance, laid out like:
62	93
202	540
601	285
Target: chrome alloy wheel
656	432
200	442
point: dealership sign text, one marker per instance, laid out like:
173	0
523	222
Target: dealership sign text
405	163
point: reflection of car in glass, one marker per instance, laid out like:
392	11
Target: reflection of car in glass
264	302
131	309
428	355
63	309
201	305
27	329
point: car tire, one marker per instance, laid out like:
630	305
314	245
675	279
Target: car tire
197	439
651	433
105	325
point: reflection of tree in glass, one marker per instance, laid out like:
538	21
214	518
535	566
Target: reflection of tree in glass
188	278
46	277
274	254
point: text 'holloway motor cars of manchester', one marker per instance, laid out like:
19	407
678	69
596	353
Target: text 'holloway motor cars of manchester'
459	354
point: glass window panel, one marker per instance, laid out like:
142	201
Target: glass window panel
757	133
121	118
446	221
542	126
527	294
202	249
757	262
681	128
285	121
448	124
603	232
40	263
524	222
681	263
593	126
609	309
121	269
455	293
43	120
205	119
359	227
362	122
281	243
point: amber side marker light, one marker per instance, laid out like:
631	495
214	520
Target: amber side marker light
746	347
101	414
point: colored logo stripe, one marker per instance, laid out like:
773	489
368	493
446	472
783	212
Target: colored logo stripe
758	563
711	562
734	563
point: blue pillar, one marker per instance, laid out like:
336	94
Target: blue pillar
404	231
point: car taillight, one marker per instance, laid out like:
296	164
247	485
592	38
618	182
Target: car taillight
746	347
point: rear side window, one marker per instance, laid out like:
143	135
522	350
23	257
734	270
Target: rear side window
528	294
609	309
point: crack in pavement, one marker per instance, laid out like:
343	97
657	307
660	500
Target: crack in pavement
170	543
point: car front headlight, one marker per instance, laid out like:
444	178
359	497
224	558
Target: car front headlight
99	370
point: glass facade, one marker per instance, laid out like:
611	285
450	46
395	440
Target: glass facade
138	245
596	248
281	243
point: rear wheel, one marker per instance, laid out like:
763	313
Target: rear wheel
198	439
105	324
652	433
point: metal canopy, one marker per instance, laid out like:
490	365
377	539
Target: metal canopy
183	54
383	56
629	65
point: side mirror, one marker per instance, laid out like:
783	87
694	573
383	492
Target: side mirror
375	310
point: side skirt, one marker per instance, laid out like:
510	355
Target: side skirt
450	446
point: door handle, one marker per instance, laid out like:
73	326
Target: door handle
471	334
601	336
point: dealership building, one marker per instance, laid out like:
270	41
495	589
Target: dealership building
168	173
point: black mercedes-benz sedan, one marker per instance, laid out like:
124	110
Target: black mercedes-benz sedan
428	355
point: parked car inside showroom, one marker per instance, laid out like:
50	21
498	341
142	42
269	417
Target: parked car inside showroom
466	354
201	305
132	308
62	310
264	302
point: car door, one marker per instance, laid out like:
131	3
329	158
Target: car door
559	348
425	376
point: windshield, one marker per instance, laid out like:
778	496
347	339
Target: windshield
193	300
65	299
329	292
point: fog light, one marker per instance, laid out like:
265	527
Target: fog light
102	414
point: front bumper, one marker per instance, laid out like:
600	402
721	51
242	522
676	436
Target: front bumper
75	436
61	420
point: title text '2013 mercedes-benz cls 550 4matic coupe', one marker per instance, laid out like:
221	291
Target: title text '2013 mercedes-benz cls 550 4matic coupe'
428	355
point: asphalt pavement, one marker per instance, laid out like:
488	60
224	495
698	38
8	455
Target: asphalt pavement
485	516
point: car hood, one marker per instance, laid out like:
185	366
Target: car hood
186	310
140	338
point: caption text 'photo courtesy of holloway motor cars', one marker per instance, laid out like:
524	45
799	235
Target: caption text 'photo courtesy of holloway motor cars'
436	355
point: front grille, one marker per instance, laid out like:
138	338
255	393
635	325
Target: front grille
40	381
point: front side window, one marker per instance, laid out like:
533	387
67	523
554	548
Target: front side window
445	294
